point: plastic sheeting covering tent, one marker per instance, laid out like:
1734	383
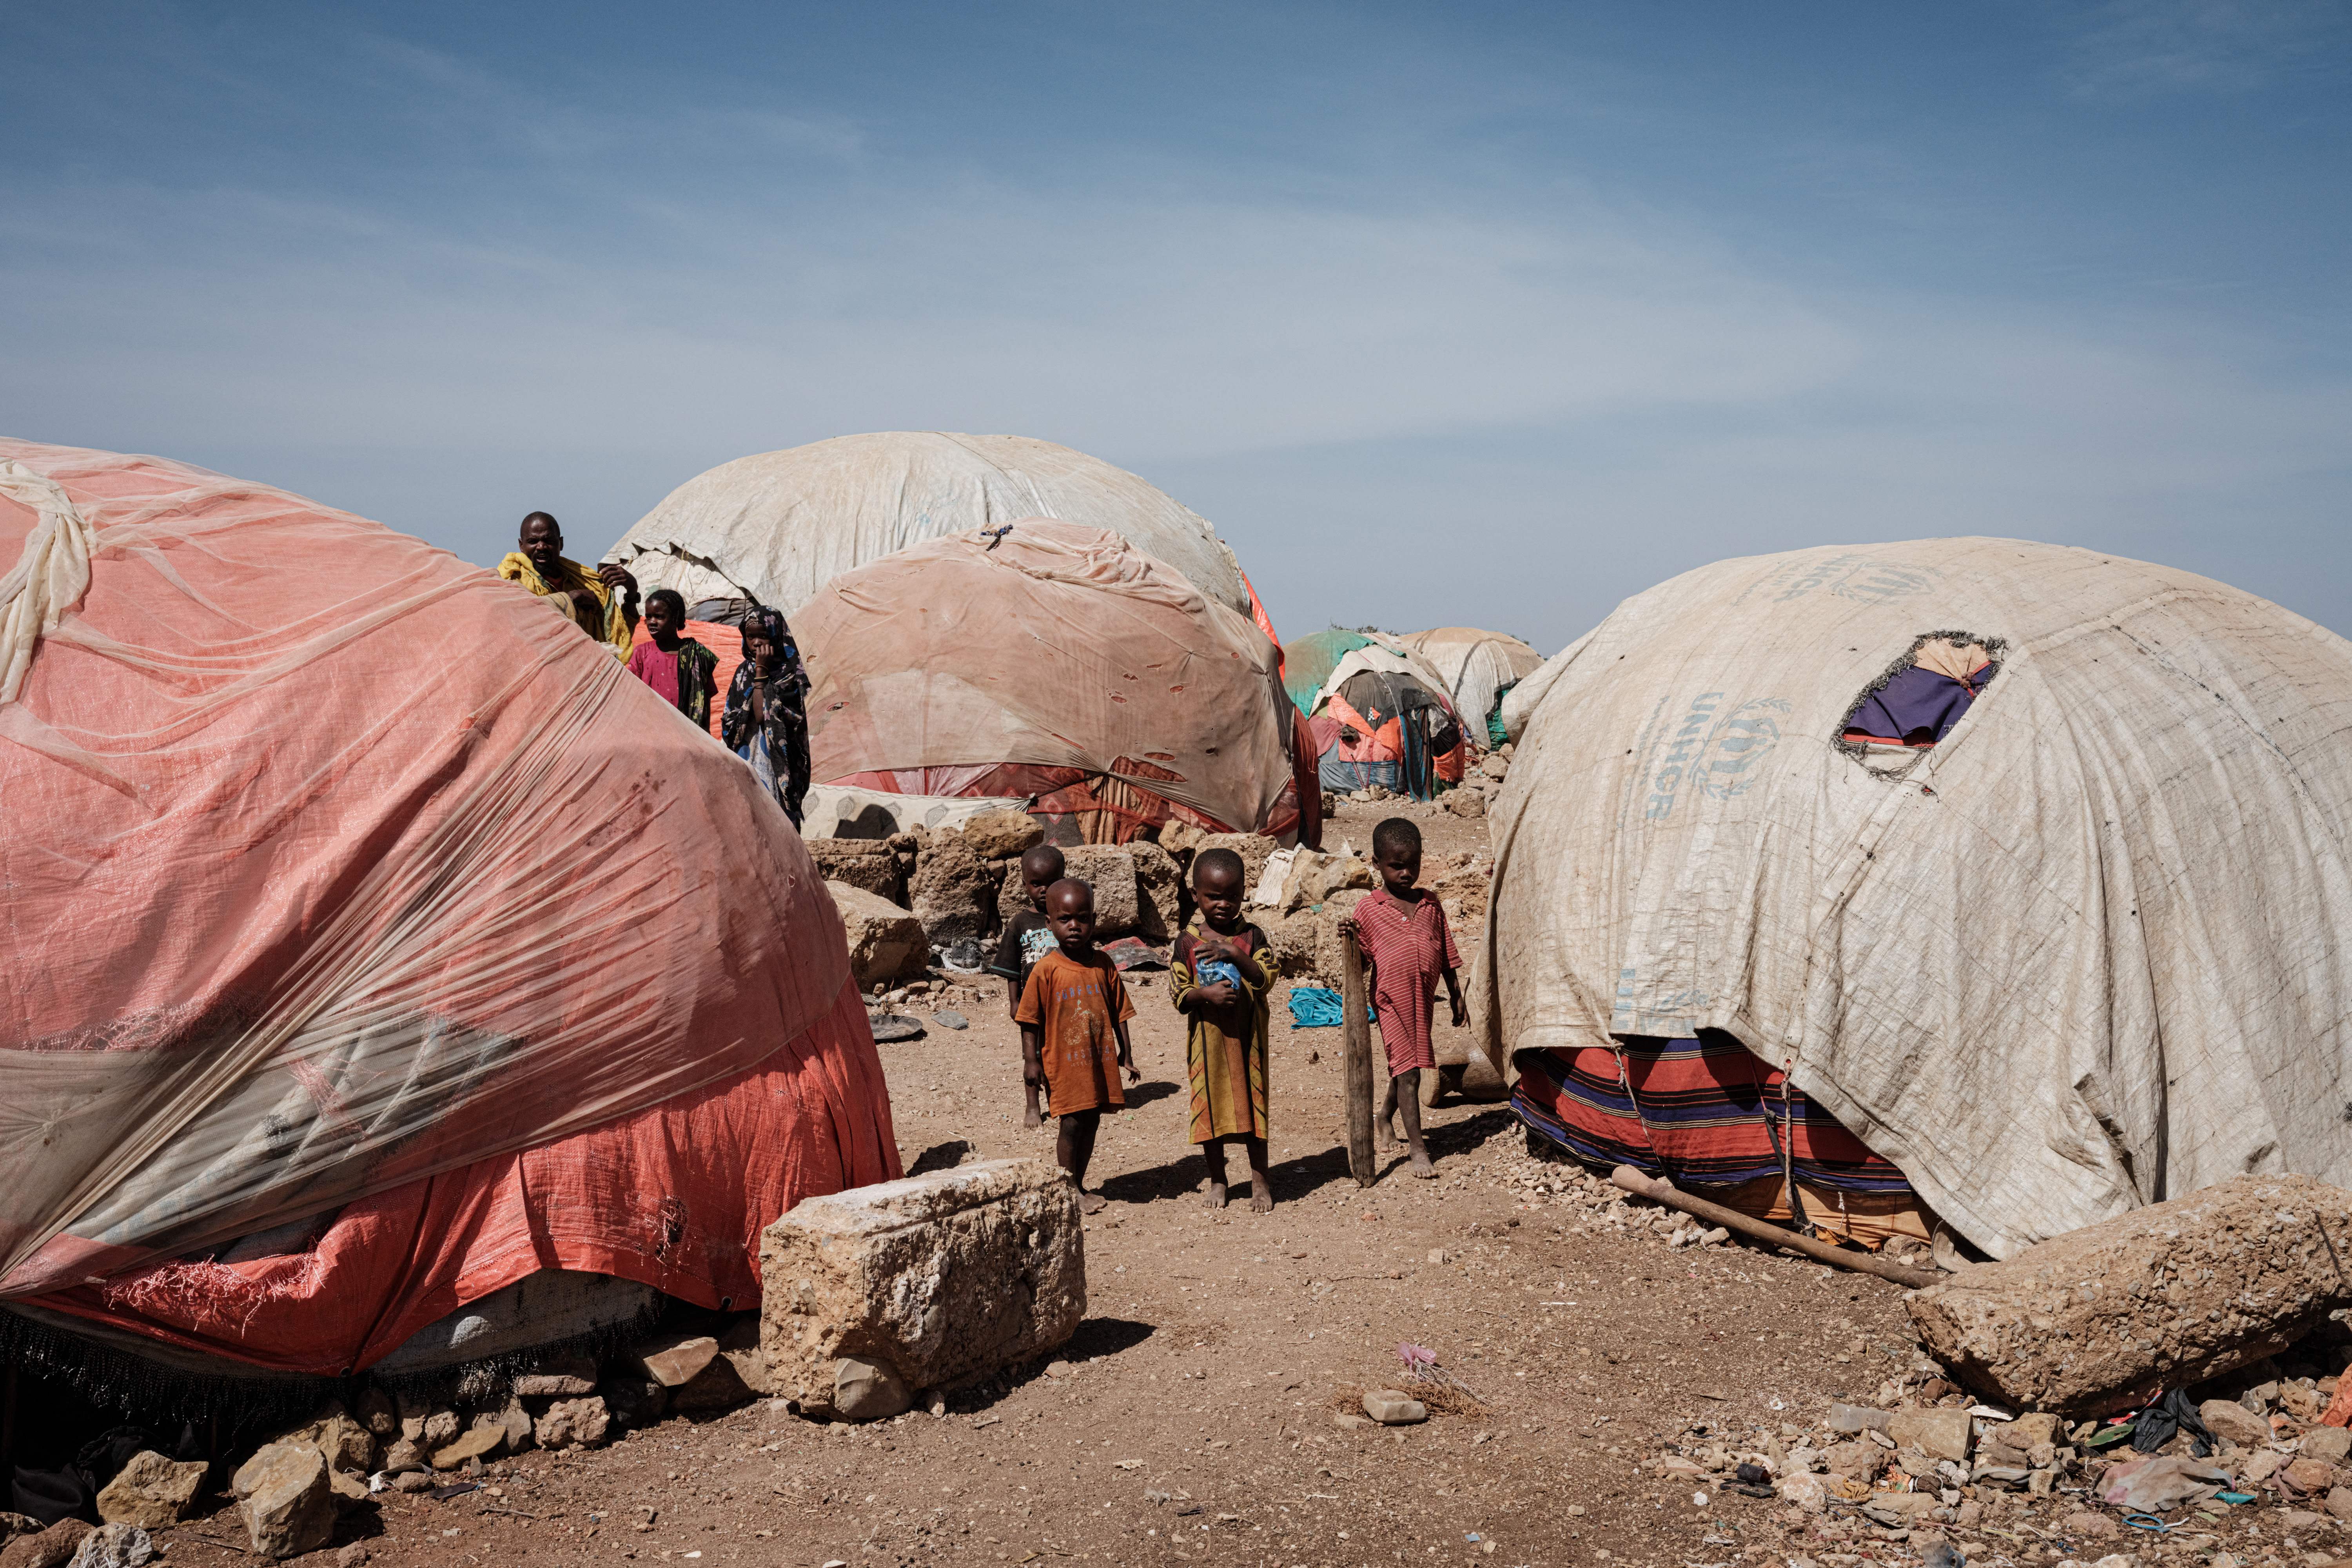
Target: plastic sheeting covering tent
1382	719
1057	661
347	884
1307	662
1478	666
779	526
2083	954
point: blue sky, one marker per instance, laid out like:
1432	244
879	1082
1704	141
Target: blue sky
1488	314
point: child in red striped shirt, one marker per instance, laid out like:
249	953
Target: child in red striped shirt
1409	948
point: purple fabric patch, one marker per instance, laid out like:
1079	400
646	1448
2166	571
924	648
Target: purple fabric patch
1919	706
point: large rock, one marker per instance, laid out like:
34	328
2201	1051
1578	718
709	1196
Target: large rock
116	1545
866	1388
676	1359
474	1443
1003	833
1109	869
941	1278
2234	1423
376	1411
1290	938
578	1423
1328	950
152	1491
886	945
50	1548
952	891
559	1377
741	1347
348	1445
1159	913
862	863
1940	1432
286	1500
2165	1297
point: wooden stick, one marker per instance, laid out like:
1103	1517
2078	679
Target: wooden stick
1666	1193
1357	1033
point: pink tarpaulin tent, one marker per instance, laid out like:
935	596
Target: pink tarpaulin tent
349	884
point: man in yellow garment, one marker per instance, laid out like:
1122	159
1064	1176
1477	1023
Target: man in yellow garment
602	603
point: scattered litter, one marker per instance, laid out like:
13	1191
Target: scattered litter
1128	1464
1316	1008
966	957
455	1488
1134	952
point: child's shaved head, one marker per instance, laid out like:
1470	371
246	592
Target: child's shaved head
1068	896
1043	863
1395	837
1220	865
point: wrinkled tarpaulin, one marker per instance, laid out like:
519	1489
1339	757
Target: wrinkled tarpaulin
2084	955
344	879
1058	661
779	526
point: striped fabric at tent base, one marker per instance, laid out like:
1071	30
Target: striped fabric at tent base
1706	1115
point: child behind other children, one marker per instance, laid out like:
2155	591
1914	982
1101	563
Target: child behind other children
1027	935
1073	1018
677	666
1402	932
1220	982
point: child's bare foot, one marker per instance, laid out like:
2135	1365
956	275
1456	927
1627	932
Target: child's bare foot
1030	1119
1422	1168
1388	1133
1261	1196
1093	1203
1215	1196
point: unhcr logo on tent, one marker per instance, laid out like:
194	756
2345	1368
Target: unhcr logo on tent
1848	576
1720	749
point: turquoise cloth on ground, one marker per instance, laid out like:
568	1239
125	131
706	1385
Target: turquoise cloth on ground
1313	1007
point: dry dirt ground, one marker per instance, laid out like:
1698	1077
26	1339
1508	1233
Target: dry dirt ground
1193	1420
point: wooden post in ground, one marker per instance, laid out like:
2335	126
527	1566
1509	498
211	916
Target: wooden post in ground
1357	1030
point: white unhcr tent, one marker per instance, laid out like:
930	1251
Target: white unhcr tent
779	526
1478	666
2086	953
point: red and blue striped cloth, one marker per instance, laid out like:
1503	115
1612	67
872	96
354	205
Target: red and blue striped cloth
1699	1112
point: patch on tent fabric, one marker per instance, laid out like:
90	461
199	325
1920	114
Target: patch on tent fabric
1714	748
1915	703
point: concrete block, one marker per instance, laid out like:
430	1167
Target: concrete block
1391	1408
2234	1423
1003	833
2165	1297
941	1278
1938	1433
1109	869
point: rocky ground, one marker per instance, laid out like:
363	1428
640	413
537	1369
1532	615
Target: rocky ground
1606	1381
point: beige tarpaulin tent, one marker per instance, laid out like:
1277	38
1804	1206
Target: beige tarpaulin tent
1057	662
781	525
2084	955
1478	666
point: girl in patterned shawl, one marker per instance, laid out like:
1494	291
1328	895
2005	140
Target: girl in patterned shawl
1221	983
766	721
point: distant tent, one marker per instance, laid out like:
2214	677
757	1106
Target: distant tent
1307	662
2027	866
1055	661
380	945
1382	719
777	527
1478	666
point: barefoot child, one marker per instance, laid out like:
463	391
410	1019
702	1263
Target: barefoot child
1409	947
1220	983
1073	1018
1027	935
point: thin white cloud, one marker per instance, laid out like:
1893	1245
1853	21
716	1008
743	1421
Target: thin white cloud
2140	48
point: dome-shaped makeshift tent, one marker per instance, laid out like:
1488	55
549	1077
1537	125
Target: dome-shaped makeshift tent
1055	661
778	527
352	891
1478	666
2028	864
1307	662
1382	719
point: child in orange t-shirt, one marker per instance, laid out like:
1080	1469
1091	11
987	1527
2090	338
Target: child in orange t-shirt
1072	1016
